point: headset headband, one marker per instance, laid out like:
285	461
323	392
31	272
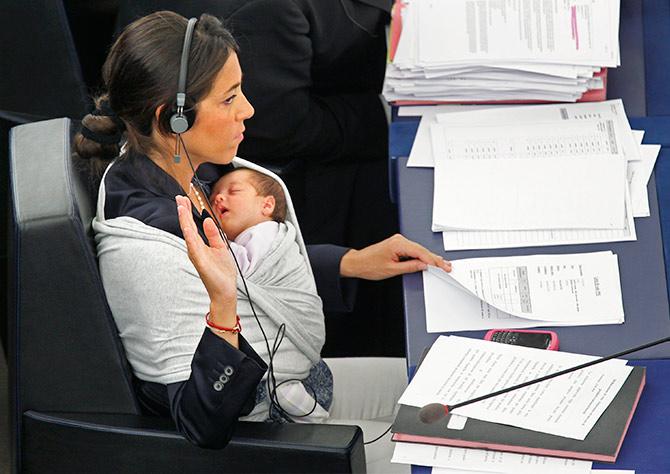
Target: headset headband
183	67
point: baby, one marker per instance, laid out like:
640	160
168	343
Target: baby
251	207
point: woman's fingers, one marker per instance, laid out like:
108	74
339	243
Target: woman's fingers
408	266
212	234
193	240
408	248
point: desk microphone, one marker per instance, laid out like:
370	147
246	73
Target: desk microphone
436	411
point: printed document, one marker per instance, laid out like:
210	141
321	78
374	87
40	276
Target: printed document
550	31
421	155
526	291
485	460
620	134
502	50
460	115
533	177
457	369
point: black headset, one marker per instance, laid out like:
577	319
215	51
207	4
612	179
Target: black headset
182	119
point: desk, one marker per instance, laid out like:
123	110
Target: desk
644	291
641	266
645	448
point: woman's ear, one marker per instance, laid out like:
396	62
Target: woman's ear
268	206
159	137
158	112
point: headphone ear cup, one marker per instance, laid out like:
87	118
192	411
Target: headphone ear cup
180	123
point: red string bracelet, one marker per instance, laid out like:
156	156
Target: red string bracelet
234	330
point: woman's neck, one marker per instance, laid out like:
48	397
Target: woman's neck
180	172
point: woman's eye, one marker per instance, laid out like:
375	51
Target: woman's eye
230	99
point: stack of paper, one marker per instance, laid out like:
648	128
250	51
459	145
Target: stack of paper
473	50
583	414
521	292
521	176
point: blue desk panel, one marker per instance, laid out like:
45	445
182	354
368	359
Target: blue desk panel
641	266
645	448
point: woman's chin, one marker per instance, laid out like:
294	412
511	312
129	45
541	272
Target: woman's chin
227	158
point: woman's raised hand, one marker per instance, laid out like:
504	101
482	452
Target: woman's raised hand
393	256
213	262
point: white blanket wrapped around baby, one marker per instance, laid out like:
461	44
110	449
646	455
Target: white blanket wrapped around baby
283	292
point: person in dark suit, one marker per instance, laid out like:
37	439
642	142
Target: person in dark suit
180	330
314	70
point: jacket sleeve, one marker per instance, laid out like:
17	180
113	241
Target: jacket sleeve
221	388
337	293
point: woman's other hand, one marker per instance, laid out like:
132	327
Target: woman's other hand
213	262
393	256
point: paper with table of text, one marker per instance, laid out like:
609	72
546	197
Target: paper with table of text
525	291
457	369
460	115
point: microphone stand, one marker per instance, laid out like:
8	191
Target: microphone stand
448	408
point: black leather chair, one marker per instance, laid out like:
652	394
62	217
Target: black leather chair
73	408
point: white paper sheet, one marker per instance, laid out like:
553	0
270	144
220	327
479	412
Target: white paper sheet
564	287
558	114
451	309
522	292
457	369
534	177
421	155
529	194
485	460
495	239
639	173
552	32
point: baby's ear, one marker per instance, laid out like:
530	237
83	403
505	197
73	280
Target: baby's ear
268	206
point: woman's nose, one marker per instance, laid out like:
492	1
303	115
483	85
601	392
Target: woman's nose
246	111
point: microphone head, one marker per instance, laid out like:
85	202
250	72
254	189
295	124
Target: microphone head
433	412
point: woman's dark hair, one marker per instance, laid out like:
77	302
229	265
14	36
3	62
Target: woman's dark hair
141	73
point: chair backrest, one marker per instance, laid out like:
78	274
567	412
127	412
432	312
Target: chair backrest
41	74
64	351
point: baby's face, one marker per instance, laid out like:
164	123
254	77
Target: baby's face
237	204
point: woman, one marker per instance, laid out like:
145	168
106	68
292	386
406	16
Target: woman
204	378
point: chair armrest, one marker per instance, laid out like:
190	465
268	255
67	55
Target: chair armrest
112	443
